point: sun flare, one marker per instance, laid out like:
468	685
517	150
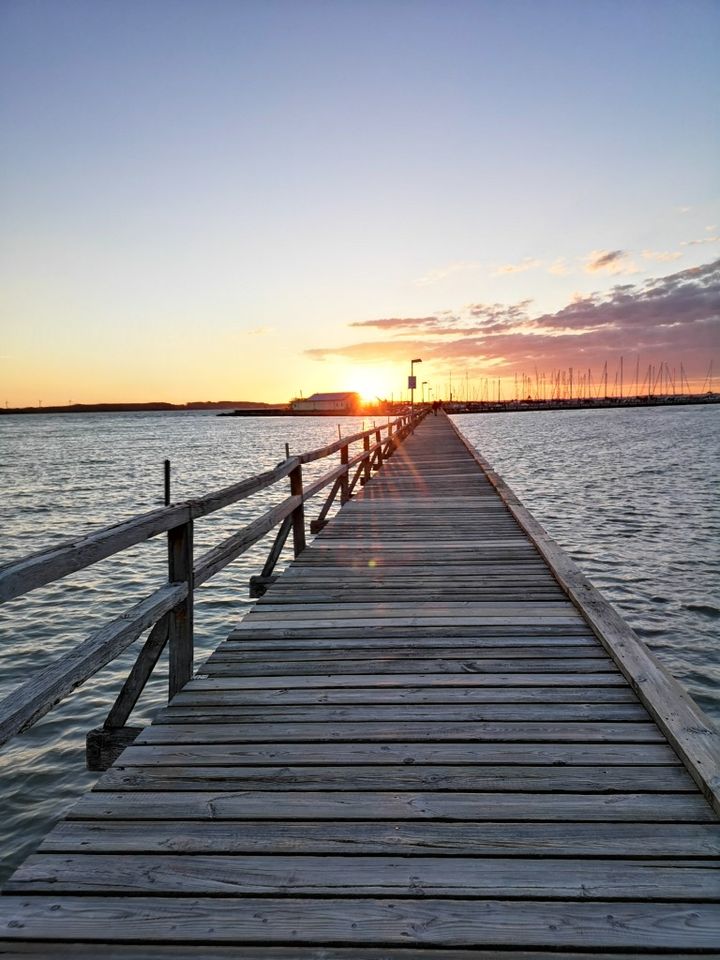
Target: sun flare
372	385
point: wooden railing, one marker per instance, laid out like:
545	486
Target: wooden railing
168	611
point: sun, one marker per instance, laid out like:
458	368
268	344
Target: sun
370	384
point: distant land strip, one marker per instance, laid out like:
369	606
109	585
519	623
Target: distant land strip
158	406
495	406
251	408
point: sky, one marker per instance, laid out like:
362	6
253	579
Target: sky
206	200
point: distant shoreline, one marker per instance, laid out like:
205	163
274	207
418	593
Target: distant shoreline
227	408
157	406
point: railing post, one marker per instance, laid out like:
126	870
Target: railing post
298	514
378	441
344	479
366	462
180	639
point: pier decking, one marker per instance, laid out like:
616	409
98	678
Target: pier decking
415	745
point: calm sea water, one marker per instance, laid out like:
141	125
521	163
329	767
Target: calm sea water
628	493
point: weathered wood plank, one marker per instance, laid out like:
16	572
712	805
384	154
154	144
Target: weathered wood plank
235	661
343	754
119	951
269	611
405	730
404	838
438	591
421	921
568	619
436	632
377	680
507	778
530	879
313	805
215	689
229	709
419	647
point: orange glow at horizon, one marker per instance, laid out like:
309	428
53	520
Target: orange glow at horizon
267	370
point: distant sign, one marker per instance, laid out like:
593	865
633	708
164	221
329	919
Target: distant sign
412	383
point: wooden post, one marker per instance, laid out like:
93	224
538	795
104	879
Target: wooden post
298	514
180	641
344	479
378	440
391	440
366	462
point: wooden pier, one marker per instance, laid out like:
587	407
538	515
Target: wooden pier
430	738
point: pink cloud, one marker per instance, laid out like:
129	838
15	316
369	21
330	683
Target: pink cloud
676	315
609	261
393	323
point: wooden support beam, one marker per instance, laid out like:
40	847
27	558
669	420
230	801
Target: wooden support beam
139	675
358	474
378	441
366	474
344	481
317	524
259	584
298	514
219	557
180	570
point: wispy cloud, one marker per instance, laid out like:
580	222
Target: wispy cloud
559	267
370	351
529	263
699	241
609	261
258	331
395	323
441	273
598	261
665	316
661	256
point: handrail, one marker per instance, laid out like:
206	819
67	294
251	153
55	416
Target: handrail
336	445
46	566
169	609
32	699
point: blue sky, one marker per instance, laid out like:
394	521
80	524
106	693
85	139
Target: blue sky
196	194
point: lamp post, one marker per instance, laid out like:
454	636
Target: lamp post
423	385
411	384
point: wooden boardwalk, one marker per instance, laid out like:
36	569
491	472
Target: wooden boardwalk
413	746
